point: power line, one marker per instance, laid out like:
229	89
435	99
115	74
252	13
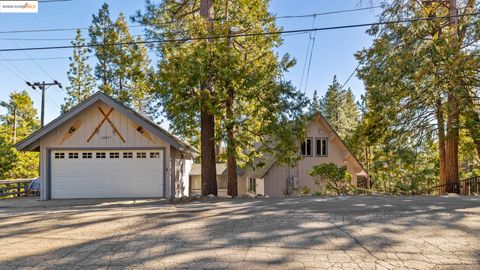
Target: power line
16	68
311	56
33	61
326	13
240	35
36	59
48	39
350	77
11	71
306	56
167	23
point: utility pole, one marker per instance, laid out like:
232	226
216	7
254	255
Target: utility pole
15	123
43	86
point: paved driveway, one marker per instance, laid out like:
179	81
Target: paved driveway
293	233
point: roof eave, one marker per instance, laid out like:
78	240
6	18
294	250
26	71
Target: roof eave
99	96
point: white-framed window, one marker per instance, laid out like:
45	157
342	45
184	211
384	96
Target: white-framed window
252	185
87	155
114	155
142	155
306	147
154	155
59	155
100	155
321	147
73	155
128	155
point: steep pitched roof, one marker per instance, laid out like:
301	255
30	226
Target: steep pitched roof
269	160
320	115
31	142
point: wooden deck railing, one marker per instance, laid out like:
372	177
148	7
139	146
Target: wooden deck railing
14	188
470	186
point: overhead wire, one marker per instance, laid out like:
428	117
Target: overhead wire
167	23
11	71
326	13
34	62
282	32
306	56
25	76
311	56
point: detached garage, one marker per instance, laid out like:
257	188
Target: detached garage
103	149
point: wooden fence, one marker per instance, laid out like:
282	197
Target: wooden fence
470	186
14	188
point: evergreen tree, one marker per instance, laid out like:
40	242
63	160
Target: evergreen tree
122	69
121	61
420	78
315	105
233	85
80	76
7	155
339	108
19	121
102	38
140	74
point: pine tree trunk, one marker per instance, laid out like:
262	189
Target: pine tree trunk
451	144
441	142
453	117
207	134
232	189
207	125
231	148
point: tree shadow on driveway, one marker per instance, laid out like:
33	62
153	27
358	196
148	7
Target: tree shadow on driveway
300	232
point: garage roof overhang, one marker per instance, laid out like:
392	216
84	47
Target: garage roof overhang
32	142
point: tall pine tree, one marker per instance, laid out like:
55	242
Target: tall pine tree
232	84
82	82
123	70
102	38
420	76
338	106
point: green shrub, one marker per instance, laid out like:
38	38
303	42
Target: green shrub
336	178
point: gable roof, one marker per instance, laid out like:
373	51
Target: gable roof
31	142
320	115
269	159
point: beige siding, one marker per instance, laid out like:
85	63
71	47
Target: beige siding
275	181
276	178
87	121
242	185
85	124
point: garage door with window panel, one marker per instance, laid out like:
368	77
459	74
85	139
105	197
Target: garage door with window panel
106	174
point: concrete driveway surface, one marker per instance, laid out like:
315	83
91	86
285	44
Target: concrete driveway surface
289	233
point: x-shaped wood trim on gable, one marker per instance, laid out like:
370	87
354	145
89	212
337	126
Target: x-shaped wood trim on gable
105	118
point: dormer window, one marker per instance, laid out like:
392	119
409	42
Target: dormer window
306	147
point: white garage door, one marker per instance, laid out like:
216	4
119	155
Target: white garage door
107	174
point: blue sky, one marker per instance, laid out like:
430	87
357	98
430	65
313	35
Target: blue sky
333	53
